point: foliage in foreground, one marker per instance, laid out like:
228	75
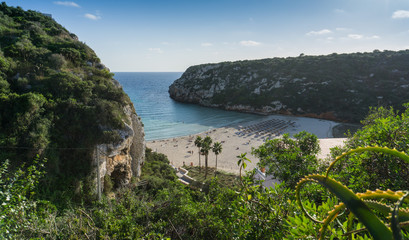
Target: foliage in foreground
157	206
16	191
363	206
383	127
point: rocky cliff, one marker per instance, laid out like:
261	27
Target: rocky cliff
336	87
58	101
123	159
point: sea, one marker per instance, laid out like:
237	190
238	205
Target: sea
165	118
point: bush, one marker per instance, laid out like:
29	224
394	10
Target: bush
386	128
16	197
289	159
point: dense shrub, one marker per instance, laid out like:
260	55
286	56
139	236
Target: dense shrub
383	127
288	159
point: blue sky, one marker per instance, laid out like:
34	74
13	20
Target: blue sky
171	35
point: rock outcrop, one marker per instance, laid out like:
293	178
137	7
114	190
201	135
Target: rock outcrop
122	160
336	87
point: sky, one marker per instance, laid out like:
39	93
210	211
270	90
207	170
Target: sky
171	35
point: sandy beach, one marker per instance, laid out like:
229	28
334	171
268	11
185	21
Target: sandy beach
241	138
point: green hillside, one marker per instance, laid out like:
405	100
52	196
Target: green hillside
56	98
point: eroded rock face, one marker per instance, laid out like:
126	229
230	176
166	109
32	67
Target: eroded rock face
206	84
122	160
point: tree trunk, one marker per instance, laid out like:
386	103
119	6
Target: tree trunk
200	167
205	166
216	166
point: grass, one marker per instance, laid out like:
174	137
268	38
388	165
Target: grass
226	179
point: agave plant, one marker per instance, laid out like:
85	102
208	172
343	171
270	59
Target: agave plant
363	206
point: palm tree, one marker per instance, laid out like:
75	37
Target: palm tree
217	149
198	144
206	146
242	163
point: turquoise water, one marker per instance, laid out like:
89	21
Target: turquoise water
166	118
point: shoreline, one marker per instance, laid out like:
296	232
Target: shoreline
240	138
251	110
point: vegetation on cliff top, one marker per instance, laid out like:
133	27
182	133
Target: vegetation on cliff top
56	98
336	86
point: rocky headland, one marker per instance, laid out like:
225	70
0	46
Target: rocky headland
338	87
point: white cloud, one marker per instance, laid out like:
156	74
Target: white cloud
321	32
374	37
92	16
249	43
67	4
355	36
400	14
155	50
360	37
339	11
206	44
165	43
341	29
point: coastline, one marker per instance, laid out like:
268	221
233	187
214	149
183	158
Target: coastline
251	110
241	138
